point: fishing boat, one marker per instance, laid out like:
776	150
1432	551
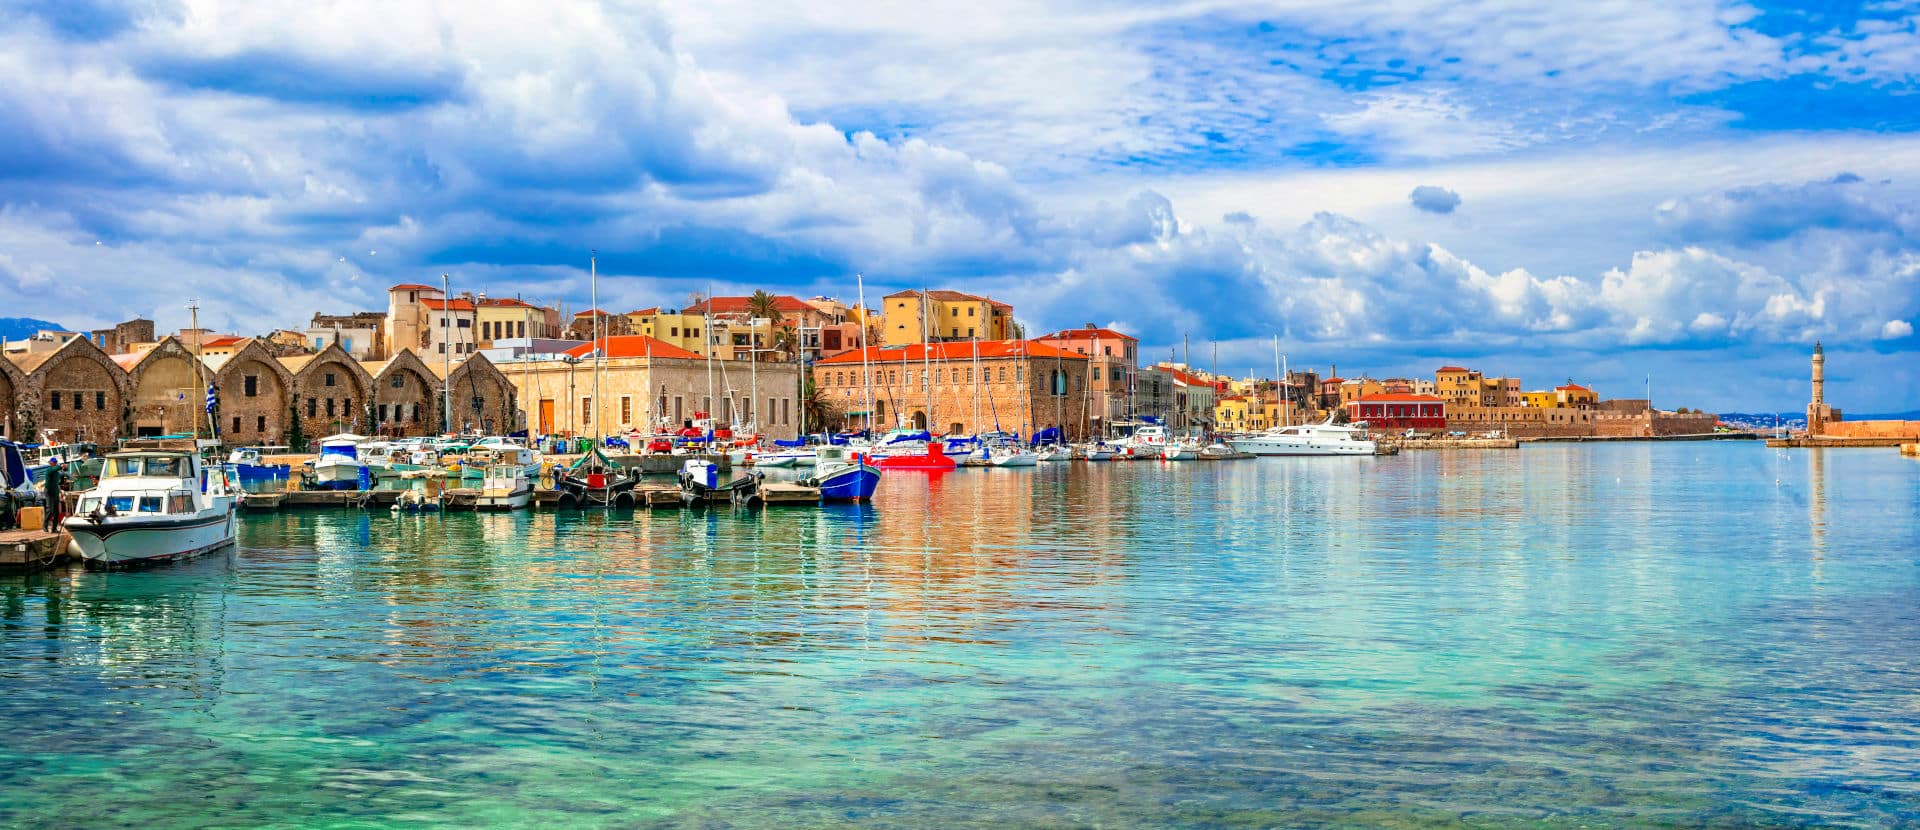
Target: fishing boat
505	474
1325	438
152	506
338	467
932	458
700	484
843	476
421	491
594	480
250	463
1183	449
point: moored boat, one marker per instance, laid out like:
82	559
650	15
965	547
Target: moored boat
843	476
1325	438
338	466
152	506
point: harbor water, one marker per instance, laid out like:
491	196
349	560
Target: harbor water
1710	634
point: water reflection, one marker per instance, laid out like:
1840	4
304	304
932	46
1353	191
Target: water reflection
1621	634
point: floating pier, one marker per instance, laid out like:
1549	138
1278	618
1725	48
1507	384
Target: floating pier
30	550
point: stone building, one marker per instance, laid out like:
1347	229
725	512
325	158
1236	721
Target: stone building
910	317
484	398
1018	386
645	382
13	384
330	393
1827	422
77	391
168	395
255	396
362	334
406	397
1112	358
121	338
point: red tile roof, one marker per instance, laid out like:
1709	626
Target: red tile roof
633	345
505	302
412	286
738	305
989	349
645	311
589	313
1450	369
1088	333
226	340
1395	397
1333	380
1571	387
446	305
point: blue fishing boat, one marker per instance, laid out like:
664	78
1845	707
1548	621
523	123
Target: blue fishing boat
841	477
250	463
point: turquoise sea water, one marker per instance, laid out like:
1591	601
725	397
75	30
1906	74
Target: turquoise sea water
1622	635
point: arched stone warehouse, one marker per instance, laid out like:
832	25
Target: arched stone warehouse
484	398
330	393
12	385
168	398
406	396
78	392
255	400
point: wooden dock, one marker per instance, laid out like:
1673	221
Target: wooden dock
777	493
30	550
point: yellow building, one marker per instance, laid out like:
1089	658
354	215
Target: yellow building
1575	396
676	328
1458	386
909	317
1353	390
1543	399
502	318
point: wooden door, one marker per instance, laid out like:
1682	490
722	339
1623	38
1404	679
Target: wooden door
546	416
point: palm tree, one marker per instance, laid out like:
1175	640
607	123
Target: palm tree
763	305
819	408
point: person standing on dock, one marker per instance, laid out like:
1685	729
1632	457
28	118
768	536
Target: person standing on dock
55	473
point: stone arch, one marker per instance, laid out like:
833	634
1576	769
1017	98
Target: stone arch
78	392
255	396
919	419
330	392
406	396
13	384
166	395
484	397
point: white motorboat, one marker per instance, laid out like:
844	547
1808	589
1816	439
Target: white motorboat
1149	441
1011	456
151	506
1217	449
1098	451
1325	438
1053	452
1181	450
338	466
507	471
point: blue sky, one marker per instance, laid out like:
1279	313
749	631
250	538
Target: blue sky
1691	190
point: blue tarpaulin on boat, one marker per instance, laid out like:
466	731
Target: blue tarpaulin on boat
616	441
1050	435
922	435
13	467
784	443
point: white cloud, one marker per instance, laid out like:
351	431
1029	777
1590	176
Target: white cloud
1896	329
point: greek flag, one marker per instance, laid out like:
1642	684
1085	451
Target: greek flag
213	398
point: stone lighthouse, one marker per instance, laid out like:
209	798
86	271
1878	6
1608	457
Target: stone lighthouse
1819	414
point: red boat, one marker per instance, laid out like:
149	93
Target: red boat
935	459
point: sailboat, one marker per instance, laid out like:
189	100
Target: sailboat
596	480
156	505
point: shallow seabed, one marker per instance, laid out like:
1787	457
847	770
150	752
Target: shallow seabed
1620	635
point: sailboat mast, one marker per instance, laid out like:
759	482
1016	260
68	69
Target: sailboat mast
979	380
193	310
866	370
706	345
446	354
599	342
926	357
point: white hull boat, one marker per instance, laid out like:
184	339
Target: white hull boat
1013	458
153	506
1308	439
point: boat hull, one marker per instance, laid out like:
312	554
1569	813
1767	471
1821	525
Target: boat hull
1262	446
139	541
851	484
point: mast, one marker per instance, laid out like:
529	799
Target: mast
199	369
446	355
978	381
706	337
866	371
599	342
926	358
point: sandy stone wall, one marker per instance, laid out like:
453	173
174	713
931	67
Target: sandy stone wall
1523	421
80	393
1872	429
1015	395
259	417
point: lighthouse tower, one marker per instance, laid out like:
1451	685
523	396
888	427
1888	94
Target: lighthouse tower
1819	414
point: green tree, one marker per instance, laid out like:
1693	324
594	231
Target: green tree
763	305
297	433
821	410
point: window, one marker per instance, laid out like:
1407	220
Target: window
413	412
443	348
312	407
626	409
399	381
346	407
250	385
1003	374
586	411
318	344
969	311
677	410
260	423
969	374
726	410
383	413
329	407
969	332
348	345
463	323
706	405
55	400
785	404
329	379
78	402
522	326
236	423
956	332
100	401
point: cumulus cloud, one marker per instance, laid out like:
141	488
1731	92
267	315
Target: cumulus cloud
1772	212
1896	329
1434	199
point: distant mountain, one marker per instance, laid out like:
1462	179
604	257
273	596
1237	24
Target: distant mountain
21	328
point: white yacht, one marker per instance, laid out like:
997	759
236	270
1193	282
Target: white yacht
153	505
1307	439
1149	441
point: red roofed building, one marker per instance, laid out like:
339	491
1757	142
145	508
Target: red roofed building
632	345
959	388
1399	412
421	318
1112	358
